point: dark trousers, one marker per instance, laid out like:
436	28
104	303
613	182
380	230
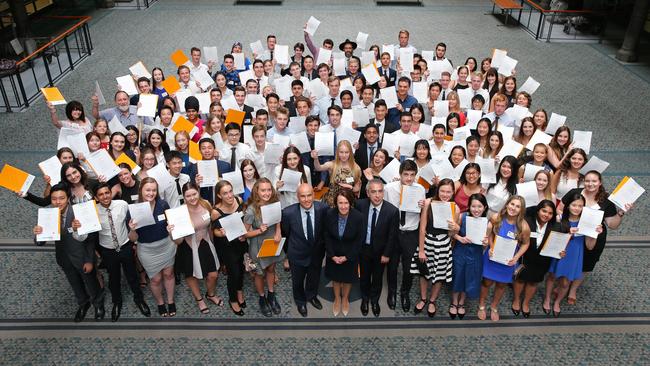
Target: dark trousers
372	272
406	247
116	262
84	285
305	280
233	258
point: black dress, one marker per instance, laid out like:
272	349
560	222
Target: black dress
535	265
231	254
348	245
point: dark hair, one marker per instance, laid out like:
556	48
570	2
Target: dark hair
137	133
244	164
311	119
478	197
476	65
380	103
404	79
478	97
336	108
161	73
164	147
297	82
232	126
72	106
62	150
64	179
419	107
60	187
162	102
346	92
495	88
371	125
99	186
424	143
408	166
300	168
574	196
511	184
463	179
208	140
445	182
439	126
451	152
348	196
174	155
546	203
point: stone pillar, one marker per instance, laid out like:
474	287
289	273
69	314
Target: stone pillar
627	52
19	15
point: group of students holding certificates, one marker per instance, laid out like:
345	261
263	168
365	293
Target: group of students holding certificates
287	163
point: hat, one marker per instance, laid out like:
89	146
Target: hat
354	45
192	103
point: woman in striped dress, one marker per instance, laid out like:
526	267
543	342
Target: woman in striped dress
433	260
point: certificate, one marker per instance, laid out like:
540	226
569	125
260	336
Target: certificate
389	95
442	167
555	243
589	220
370	73
411	195
530	170
312	25
270	248
301	142
273	153
391	143
114	125
87	215
271	213
441	108
148	105
594	163
442	212
127	85
507	66
465	96
103	164
503	250
497	57
324	143
98	92
204	102
244	76
528	191
406	60
291	180
476	229
488	170
297	124
556	121
421	91
180	218
324	56
538	137
257	47
15	179
473	117
407	144
282	140
49	219
209	171
425	176
390	49
162	177
582	140
281	54
210	54
349	134
240	62
362	39
390	172
236	180
52	168
627	191
367	58
139	70
141	214
203	78
78	143
233	225
361	116
529	86
339	67
510	148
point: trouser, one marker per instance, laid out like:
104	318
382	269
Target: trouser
84	285
233	257
372	272
406	246
115	262
305	280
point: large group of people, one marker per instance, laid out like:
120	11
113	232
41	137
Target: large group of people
361	178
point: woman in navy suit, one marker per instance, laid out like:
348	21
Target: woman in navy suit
344	232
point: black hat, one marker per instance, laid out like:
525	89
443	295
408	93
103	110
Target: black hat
192	103
354	45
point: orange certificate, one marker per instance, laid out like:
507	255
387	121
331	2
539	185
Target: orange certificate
270	248
182	124
123	158
171	85
195	152
235	116
179	58
15	179
53	95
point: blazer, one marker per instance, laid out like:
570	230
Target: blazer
389	127
248	117
361	155
392	75
299	250
71	249
348	245
386	227
207	193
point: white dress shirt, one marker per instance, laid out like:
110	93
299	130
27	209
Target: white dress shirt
322	104
393	192
171	193
242	151
119	210
303	217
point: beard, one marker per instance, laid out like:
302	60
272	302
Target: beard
123	108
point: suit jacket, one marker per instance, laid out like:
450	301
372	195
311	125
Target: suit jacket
207	193
389	127
291	106
299	250
314	74
348	245
386	226
361	155
74	249
392	75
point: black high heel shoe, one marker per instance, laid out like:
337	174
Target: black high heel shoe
417	310
238	313
516	312
172	309
461	316
545	310
451	315
162	310
242	304
431	313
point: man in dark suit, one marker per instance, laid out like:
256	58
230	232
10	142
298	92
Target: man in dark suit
297	89
208	152
381	220
384	126
75	254
240	97
386	71
367	146
302	228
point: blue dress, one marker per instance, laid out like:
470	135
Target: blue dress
467	265
571	265
496	271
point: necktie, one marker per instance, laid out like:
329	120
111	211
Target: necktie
332	104
402	214
310	228
116	244
178	189
334	141
233	158
165	134
259	82
373	221
372	151
444	94
496	123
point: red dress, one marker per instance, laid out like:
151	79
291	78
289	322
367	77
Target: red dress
461	199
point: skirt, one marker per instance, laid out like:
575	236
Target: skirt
437	249
157	255
496	271
206	261
468	269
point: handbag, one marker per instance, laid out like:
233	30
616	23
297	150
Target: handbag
518	271
249	264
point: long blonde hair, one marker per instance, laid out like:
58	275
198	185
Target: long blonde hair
548	194
255	201
519	220
338	164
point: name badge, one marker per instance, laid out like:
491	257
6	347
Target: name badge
183	164
70	230
134	197
206	216
161	217
349	180
534	235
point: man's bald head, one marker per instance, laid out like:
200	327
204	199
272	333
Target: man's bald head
305	194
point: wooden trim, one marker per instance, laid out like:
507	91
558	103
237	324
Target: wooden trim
82	20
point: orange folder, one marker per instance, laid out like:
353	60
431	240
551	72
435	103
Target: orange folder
53	95
424	183
178	57
15	179
235	116
620	184
182	124
123	158
319	194
171	85
195	152
270	248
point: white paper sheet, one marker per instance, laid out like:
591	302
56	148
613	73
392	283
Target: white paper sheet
99	94
236	180
271	213
312	26
629	192
589	220
371	74
162	177
582	140
510	148
488	170
465	96
530	170
391	143
233	225
240	61
389	95
87	215
324	143
52	168
204	102
406	60
497	57
209	171
339	67
210	53
473	117
257	48
442	212
180	218
476	229
127	85
594	163
390	49
390	172
291	179
348	134
78	143
554	122
362	40
442	167
103	164
441	108
367	58
148	105
324	56
139	70
301	142
281	54
411	195
228	103
421	91
141	214
538	137
503	250
204	79
507	66
555	243
529	86
361	116
528	191
297	124
49	219
273	153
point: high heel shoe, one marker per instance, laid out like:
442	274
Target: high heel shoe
417	310
545	310
204	310
461	316
432	313
238	313
162	310
453	315
172	309
556	314
516	312
242	304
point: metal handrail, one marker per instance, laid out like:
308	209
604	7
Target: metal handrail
82	20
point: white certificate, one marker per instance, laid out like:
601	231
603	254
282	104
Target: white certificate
240	62
312	25
421	91
426	173
476	229
139	70
141	214
510	148
361	116
465	96
556	121
349	134
162	177
49	219
507	66
555	243
488	170
442	167
367	57
210	54
236	180
339	67
407	144
582	140
406	60
389	95
390	49
441	108
473	117
87	215
301	142
538	137
530	171
127	85
362	39
228	102
390	172
283	87
627	191
594	163
324	143
148	104
324	56
271	213
391	143
411	195
503	250
281	54
209	171
244	76
203	78
257	47
297	124
370	73
273	153
103	164
282	140
233	225
528	191
346	118
52	168
442	212
99	94
497	57
114	125
507	132
180	218
529	86
204	102
589	220
78	143
291	179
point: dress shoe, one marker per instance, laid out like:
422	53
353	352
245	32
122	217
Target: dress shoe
302	309
265	309
375	308
143	307
406	302
273	303
100	312
364	307
316	303
81	312
391	301
116	312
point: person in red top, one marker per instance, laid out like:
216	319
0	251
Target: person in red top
192	115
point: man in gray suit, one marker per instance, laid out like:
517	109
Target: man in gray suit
75	254
302	227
